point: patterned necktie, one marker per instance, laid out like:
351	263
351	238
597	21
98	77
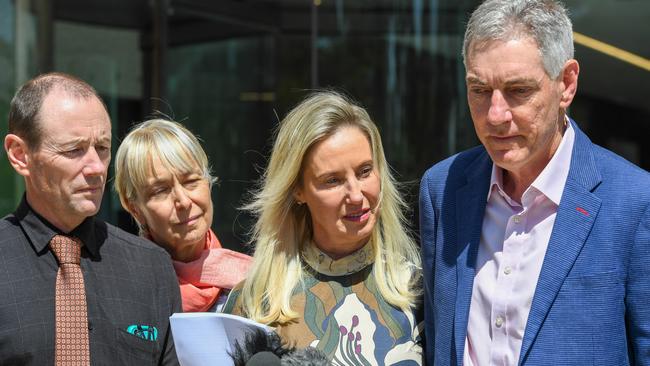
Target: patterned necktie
72	346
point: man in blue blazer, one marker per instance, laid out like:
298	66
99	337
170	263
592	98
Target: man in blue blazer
535	245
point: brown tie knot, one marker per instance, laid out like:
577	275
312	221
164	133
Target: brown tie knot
67	249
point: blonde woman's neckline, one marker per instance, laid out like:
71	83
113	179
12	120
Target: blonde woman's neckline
351	263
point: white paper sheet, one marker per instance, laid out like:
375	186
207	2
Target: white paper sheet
205	339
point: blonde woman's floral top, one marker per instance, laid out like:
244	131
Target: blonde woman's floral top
345	316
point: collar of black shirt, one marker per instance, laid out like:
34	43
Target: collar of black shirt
40	231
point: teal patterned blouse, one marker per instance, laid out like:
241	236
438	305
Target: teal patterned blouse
344	314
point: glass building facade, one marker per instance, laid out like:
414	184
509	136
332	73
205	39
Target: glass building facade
231	69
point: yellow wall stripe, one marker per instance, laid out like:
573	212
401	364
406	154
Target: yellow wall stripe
610	50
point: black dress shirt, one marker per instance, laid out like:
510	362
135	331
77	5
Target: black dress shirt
129	282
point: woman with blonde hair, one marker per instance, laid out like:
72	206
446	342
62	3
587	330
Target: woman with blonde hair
163	179
334	266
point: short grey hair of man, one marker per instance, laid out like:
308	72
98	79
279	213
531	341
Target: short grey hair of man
545	21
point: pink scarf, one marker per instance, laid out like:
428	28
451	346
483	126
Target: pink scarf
217	268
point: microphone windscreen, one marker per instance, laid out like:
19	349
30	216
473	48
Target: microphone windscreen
263	359
308	356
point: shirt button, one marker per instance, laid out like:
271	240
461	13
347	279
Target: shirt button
499	321
507	270
517	219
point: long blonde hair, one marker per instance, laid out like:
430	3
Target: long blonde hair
283	227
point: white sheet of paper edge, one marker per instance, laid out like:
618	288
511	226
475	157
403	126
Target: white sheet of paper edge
205	339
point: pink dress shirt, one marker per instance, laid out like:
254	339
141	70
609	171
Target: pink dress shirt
514	238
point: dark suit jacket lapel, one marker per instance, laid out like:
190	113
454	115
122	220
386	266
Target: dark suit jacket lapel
471	200
575	217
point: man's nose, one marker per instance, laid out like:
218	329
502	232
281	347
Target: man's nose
93	164
499	111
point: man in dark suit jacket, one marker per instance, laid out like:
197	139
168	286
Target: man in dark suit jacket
535	245
59	140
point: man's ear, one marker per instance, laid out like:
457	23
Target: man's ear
569	79
18	154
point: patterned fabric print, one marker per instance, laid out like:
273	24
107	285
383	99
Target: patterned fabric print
345	316
352	323
72	346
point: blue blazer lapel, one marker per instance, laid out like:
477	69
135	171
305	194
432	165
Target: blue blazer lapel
575	217
471	200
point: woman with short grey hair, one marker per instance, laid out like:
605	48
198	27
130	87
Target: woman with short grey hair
163	179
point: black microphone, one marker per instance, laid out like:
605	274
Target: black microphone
261	348
264	358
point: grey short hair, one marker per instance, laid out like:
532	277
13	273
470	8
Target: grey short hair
545	21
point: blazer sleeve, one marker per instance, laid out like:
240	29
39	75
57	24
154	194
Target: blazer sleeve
427	245
638	294
168	354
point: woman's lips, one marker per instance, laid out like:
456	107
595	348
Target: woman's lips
358	216
190	220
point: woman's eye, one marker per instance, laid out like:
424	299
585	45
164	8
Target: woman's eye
192	182
332	180
365	172
159	191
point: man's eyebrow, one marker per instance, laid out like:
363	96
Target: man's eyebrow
520	81
104	139
72	142
475	80
83	140
516	81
